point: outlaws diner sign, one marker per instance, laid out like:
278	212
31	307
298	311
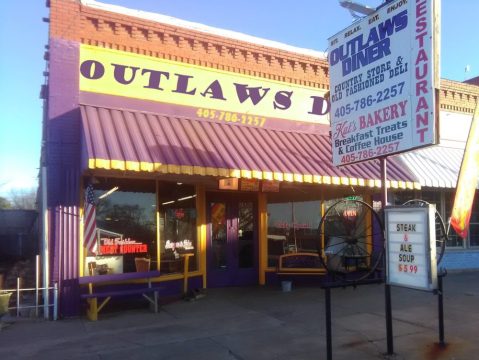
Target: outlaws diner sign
209	93
382	83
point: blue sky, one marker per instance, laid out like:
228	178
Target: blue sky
303	23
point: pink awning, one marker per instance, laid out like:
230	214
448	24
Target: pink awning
131	140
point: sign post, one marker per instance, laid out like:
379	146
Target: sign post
387	287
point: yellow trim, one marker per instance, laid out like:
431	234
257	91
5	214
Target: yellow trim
117	165
235	173
186	267
298	177
145	166
246	174
132	165
175	169
323	211
212	171
199	170
201	229
186	169
159	166
81	248
263	237
257	174
223	172
268	175
158	220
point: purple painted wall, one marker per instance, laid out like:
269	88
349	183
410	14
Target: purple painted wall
63	145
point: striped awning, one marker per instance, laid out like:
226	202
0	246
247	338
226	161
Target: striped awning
131	140
435	166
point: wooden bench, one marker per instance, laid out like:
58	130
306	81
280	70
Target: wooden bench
95	292
301	263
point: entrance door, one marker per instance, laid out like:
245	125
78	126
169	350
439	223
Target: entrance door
232	243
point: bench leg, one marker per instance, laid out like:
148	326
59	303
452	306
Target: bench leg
92	311
153	301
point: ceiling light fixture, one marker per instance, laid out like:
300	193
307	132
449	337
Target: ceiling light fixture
187	197
109	192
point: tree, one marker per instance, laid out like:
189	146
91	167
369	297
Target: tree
23	199
4	203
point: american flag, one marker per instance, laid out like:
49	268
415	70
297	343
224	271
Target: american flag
90	220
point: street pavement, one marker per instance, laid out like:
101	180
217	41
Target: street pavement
264	323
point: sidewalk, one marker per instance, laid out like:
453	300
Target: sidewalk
264	323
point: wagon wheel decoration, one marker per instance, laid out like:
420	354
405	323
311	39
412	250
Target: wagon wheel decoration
352	238
441	233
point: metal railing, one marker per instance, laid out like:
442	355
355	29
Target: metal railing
37	303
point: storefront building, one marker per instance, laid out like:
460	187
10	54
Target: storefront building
168	140
437	168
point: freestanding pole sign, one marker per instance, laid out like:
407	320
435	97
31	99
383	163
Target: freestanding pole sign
411	247
383	74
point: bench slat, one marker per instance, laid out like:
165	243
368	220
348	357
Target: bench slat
98	279
119	293
294	264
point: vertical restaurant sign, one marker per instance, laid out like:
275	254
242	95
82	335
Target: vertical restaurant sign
411	247
382	72
467	181
214	94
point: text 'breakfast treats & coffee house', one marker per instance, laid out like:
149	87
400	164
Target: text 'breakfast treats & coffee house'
193	154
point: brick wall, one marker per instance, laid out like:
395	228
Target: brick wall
458	97
72	21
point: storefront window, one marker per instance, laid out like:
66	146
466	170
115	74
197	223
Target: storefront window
178	238
292	227
246	235
399	198
432	197
125	227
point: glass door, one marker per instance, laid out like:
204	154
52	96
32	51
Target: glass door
232	245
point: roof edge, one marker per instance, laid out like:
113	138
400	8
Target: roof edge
169	20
